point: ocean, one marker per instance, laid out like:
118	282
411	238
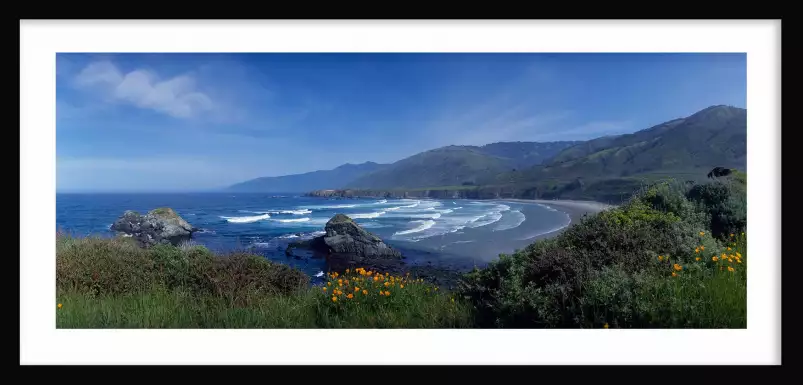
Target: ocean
454	232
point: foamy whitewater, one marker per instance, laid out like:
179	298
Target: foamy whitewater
266	223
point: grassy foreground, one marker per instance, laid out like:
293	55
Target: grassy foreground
674	256
112	283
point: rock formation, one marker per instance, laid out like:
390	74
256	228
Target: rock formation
719	171
346	244
162	225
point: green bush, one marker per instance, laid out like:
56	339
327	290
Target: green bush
99	266
602	270
240	277
726	204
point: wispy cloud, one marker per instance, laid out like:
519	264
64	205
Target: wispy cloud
176	97
512	128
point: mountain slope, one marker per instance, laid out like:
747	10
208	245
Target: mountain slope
715	136
315	180
526	154
459	165
445	166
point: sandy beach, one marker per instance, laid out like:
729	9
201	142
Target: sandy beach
575	209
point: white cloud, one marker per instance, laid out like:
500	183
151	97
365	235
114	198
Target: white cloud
176	97
508	126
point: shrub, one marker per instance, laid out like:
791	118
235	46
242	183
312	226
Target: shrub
599	270
100	266
725	203
241	276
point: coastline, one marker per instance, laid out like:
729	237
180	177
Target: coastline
574	209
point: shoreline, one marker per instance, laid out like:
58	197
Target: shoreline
574	210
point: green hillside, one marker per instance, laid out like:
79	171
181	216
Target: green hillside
445	166
459	165
685	149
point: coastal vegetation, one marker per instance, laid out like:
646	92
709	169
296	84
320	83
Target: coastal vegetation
674	255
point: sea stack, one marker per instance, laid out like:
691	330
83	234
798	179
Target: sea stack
346	244
162	225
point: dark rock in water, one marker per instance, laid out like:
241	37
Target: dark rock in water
306	249
347	245
344	236
161	225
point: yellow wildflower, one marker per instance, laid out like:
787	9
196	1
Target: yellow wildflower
350	296
729	249
365	291
697	250
660	258
702	247
697	259
356	288
605	326
387	293
731	235
324	289
59	306
329	284
387	284
674	274
738	254
339	281
401	286
381	292
714	258
677	267
738	261
334	299
702	233
731	269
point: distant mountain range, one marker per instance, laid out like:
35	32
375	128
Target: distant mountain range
601	168
315	180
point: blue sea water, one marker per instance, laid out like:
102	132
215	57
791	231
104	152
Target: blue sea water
462	232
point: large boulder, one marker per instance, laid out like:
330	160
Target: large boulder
162	225
346	244
344	236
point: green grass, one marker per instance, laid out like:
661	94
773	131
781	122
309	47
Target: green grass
673	256
112	283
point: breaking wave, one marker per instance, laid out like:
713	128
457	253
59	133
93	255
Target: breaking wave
517	219
367	215
293	212
422	227
292	220
250	219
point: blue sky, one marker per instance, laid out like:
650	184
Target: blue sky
178	122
